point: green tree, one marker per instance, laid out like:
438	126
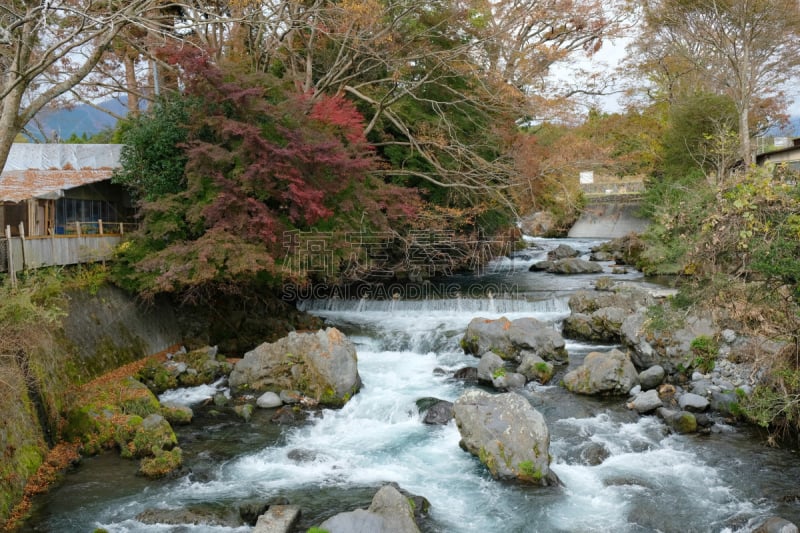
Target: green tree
153	159
695	140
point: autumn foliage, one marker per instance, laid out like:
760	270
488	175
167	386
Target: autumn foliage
261	160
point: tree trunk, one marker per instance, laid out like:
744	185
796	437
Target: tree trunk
130	81
9	120
9	129
745	92
744	135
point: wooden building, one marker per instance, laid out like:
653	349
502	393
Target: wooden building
789	156
57	189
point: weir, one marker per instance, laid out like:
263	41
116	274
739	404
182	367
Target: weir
610	216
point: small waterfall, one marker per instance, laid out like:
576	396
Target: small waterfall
489	305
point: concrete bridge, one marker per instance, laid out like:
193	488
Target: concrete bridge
607	216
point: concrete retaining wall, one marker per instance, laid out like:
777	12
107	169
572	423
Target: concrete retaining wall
608	220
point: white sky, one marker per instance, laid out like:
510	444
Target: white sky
613	51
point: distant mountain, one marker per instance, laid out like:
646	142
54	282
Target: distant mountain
78	120
794	126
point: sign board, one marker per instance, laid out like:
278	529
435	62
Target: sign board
782	142
587	177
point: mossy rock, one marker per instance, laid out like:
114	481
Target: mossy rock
105	412
684	422
13	473
543	371
137	399
527	472
245	411
205	366
198	367
156	377
94	426
124	433
328	398
161	464
177	414
153	436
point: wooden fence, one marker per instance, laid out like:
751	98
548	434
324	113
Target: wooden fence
89	243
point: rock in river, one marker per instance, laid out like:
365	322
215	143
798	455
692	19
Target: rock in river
507	434
508	338
321	366
603	373
390	512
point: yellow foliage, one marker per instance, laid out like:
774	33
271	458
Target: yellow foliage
362	13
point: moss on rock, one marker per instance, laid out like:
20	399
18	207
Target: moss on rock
153	436
161	464
177	414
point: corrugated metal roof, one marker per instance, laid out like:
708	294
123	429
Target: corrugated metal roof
18	185
62	156
45	170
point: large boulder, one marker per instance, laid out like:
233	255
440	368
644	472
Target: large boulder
624	250
562	251
602	325
776	524
390	512
487	335
508	338
536	337
598	315
603	374
628	298
321	366
655	341
507	434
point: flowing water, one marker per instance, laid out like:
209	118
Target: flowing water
620	472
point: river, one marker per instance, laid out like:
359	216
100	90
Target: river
647	479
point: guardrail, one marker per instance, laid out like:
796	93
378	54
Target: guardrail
616	187
619	198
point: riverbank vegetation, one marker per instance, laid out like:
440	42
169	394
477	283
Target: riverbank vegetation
724	229
734	253
35	375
